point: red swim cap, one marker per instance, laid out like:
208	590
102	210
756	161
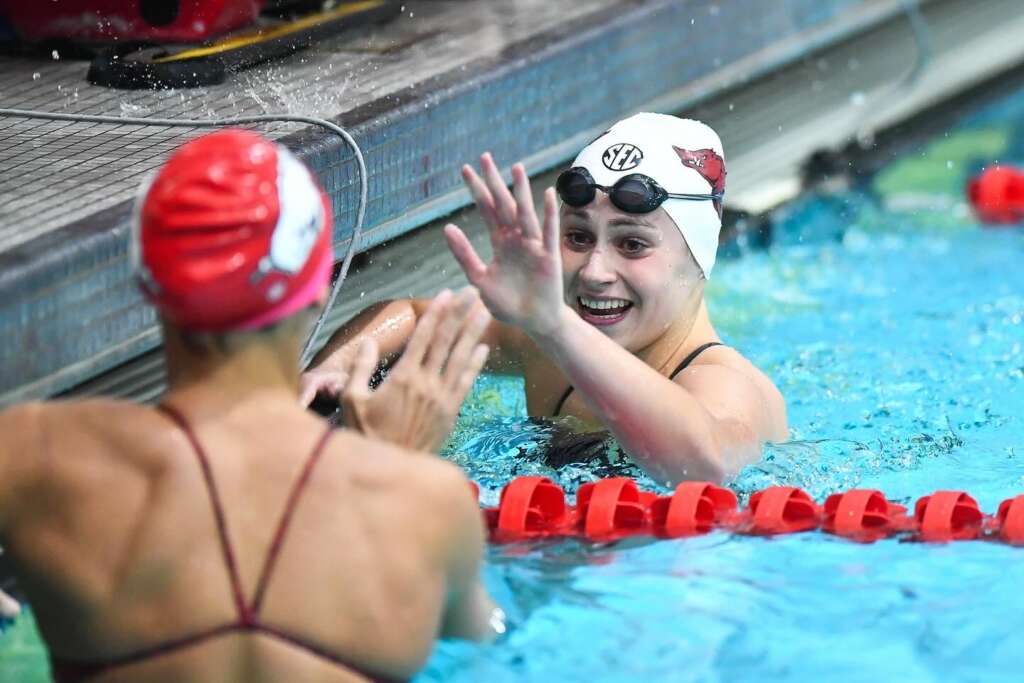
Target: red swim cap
233	233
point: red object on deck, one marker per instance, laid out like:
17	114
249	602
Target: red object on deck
947	516
997	195
110	21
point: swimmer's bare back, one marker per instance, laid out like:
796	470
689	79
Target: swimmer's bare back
105	509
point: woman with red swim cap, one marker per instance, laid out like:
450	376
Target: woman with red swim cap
228	534
600	305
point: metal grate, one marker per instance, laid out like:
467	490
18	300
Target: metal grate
52	174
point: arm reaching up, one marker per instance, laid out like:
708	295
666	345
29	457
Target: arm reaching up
417	404
703	425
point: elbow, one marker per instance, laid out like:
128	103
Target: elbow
703	462
689	460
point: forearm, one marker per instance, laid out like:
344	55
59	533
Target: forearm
389	323
663	427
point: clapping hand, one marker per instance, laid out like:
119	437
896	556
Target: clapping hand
416	405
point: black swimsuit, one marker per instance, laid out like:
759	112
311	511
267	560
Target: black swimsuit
679	368
569	446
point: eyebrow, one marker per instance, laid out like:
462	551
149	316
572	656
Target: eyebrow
632	223
619	222
578	213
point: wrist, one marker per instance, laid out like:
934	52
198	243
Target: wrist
552	333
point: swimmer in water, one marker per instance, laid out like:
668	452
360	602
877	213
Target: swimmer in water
599	303
228	535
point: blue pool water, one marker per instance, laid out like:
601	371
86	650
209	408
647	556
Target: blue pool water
894	326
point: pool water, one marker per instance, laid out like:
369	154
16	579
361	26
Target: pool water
894	326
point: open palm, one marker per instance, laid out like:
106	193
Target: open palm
522	285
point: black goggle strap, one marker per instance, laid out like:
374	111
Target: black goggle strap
716	197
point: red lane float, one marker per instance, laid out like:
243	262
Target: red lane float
997	195
863	515
947	516
611	509
781	510
1010	520
695	508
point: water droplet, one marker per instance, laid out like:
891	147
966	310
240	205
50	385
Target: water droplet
35	76
55	55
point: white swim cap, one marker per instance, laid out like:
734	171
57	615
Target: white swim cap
684	156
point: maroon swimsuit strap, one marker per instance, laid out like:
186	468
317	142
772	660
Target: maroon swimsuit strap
69	671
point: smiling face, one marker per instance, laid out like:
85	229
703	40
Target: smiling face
630	275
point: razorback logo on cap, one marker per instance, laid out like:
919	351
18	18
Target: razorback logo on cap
300	220
708	163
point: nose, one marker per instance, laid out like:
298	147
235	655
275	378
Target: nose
597	272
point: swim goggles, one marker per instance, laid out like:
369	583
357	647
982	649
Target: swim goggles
634	193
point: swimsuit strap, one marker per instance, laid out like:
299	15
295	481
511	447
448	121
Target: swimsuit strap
561	401
71	671
679	368
286	518
692	357
244	616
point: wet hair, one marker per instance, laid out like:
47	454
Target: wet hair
207	343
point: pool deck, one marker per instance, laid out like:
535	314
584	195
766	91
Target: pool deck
429	91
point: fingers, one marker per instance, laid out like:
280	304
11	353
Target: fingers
448	330
307	390
552	229
312	383
481	195
470	262
524	203
464	380
461	356
504	204
505	212
421	337
363	367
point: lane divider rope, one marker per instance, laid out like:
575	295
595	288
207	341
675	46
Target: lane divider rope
534	507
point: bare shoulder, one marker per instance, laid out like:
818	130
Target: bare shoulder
35	436
733	386
416	474
20	430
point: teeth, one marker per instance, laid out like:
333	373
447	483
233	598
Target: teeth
603	304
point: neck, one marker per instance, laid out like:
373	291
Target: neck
213	381
685	334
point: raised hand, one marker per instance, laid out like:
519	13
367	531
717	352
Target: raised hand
326	382
416	405
522	285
